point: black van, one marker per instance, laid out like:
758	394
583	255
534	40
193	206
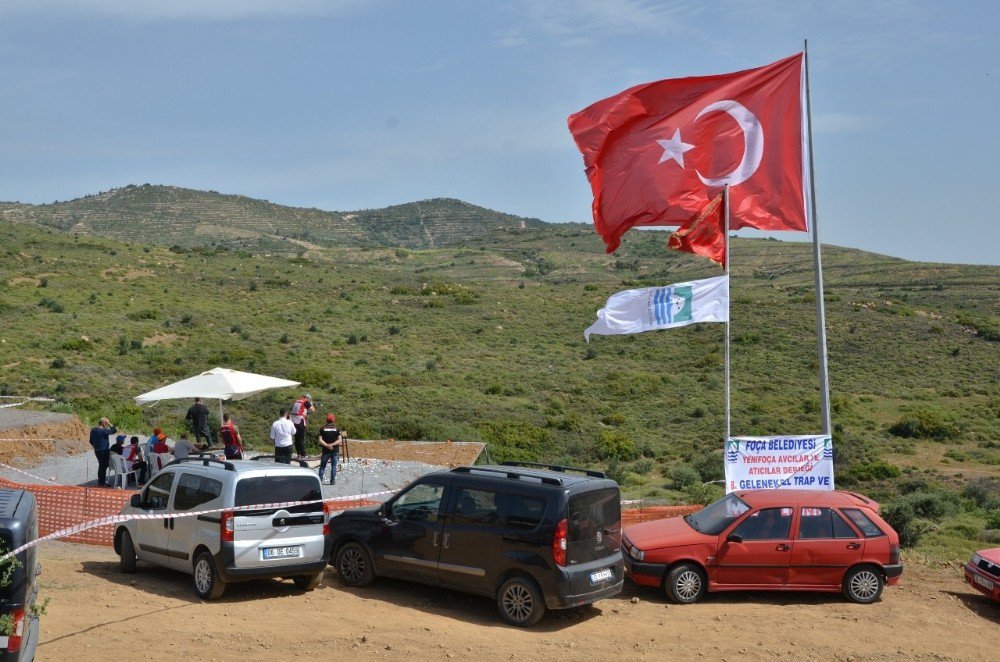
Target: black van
530	536
19	525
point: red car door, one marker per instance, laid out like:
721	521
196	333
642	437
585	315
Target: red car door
757	551
825	547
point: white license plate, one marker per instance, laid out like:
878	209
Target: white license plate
282	552
600	576
985	583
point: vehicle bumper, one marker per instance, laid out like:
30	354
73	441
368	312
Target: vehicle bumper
224	561
986	585
573	587
892	573
644	574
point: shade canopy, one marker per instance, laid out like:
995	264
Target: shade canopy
218	383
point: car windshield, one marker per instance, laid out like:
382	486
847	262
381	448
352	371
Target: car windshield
713	518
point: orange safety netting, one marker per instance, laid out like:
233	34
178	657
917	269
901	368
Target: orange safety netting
62	506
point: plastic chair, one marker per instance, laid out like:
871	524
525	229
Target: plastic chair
121	471
159	460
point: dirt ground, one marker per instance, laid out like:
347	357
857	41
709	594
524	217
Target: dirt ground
27	437
97	613
442	453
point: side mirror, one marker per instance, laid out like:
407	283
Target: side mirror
156	503
734	537
135	501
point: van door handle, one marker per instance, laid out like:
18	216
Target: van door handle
853	545
434	542
783	547
165	522
447	537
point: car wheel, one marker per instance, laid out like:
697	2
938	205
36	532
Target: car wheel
685	584
207	583
127	562
520	602
354	565
308	582
863	584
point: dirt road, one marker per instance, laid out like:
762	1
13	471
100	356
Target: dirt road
97	613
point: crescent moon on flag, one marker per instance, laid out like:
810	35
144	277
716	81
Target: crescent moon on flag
753	143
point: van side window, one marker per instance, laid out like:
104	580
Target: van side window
868	527
158	492
475	507
420	503
193	490
823	523
524	512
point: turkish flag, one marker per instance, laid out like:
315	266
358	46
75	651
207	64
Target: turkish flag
656	153
705	233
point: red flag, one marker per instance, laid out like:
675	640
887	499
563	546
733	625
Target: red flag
656	154
704	234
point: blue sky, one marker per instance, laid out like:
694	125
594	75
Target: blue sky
350	104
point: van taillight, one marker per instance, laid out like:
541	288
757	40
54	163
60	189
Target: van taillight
226	527
16	631
559	543
327	513
893	554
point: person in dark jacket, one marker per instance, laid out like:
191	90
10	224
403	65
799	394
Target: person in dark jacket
102	448
198	415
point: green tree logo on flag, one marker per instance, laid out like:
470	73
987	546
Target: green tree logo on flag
681	302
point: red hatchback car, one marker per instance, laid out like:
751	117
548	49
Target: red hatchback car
768	540
983	572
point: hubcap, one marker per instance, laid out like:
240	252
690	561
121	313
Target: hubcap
864	585
352	565
688	585
518	603
203	576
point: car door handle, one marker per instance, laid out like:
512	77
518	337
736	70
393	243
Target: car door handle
853	545
447	538
783	547
434	542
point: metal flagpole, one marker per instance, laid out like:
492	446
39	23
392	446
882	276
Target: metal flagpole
824	376
725	202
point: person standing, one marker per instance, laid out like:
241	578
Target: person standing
232	441
300	413
282	432
102	448
330	439
198	415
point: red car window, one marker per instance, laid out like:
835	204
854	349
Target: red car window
818	523
766	524
868	527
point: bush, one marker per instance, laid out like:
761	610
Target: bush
710	466
993	519
924	424
614	419
877	470
703	494
515	440
315	377
684	476
616	444
903	519
984	492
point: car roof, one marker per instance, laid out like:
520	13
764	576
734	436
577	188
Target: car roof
239	466
838	498
536	477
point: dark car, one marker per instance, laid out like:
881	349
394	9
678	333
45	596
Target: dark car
19	525
534	537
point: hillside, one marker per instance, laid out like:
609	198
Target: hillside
172	216
482	341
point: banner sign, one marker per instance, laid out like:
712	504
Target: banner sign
803	462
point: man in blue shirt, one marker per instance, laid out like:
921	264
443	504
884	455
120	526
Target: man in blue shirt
102	449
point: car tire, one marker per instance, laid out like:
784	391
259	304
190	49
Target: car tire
864	584
685	584
207	583
520	602
354	565
127	562
308	582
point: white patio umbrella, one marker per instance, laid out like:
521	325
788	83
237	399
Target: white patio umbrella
218	384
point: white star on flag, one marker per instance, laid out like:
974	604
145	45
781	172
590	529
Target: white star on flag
674	149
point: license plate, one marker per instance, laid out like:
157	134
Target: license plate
601	575
282	552
985	583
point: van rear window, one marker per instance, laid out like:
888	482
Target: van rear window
275	489
594	522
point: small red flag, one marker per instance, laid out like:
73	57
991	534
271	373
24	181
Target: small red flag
656	153
705	233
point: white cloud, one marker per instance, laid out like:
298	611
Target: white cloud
187	9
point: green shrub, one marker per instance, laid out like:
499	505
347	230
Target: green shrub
699	494
984	492
993	519
75	345
515	440
710	466
684	476
877	470
925	424
902	518
311	376
614	419
615	444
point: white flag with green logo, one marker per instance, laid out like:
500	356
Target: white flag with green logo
652	308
